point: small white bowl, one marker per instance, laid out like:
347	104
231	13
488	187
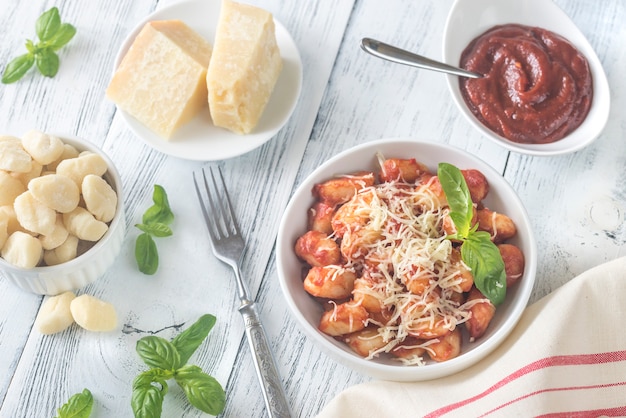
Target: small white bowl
308	311
87	267
470	18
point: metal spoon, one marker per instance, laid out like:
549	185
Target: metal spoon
401	56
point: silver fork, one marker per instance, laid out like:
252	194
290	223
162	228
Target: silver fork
228	245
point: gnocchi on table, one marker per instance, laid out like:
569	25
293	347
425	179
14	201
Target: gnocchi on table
59	312
54	201
378	259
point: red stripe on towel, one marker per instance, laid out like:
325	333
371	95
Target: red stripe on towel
568	414
571	360
607	412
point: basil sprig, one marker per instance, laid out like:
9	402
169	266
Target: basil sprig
167	360
155	223
78	406
53	35
477	250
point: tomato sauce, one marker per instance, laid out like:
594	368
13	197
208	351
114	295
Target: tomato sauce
537	87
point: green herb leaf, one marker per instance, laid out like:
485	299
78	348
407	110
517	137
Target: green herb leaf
458	196
150	387
188	341
31	47
157	229
78	406
48	24
484	259
47	62
146	254
157	352
202	390
160	212
155	222
53	35
65	34
477	250
147	398
17	68
154	375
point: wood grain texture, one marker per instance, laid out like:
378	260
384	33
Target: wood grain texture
576	202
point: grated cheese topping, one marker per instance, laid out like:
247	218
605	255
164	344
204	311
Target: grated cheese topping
410	248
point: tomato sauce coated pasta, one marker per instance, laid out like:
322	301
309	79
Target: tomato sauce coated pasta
378	258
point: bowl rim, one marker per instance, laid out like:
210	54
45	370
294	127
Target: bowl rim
400	372
112	173
490	13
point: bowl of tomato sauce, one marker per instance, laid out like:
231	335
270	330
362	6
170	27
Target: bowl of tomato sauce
543	90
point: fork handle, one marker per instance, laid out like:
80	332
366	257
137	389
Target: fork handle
264	363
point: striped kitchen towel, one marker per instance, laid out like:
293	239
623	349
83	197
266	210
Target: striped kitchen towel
565	358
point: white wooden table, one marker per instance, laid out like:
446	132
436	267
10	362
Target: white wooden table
576	202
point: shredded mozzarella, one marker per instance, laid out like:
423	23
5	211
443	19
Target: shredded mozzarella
494	225
402	241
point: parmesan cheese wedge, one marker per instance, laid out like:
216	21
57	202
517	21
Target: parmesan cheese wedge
244	67
161	80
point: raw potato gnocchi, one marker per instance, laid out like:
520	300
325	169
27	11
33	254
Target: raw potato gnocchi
59	312
100	198
54	202
81	223
34	215
78	168
22	250
65	252
13	156
7	213
93	314
55	315
11	188
56	191
42	147
57	237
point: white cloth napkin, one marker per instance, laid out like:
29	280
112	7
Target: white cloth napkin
566	357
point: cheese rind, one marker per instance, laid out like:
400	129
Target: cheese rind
244	67
161	80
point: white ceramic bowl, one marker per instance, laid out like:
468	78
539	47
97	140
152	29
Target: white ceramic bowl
308	311
92	264
470	18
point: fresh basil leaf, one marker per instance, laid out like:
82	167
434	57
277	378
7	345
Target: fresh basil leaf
458	196
203	391
53	35
31	47
157	229
48	24
147	399
47	62
160	212
485	261
17	68
158	352
146	254
154	375
188	341
65	34
458	219
78	406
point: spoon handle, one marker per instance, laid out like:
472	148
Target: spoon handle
401	56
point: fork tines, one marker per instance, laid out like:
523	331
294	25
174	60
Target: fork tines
222	223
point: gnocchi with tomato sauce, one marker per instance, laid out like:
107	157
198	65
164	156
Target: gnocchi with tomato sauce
378	258
54	200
